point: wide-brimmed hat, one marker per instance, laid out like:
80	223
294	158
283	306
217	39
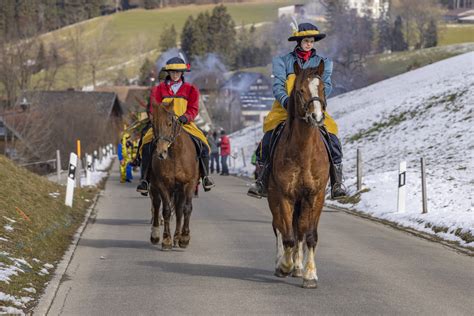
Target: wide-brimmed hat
306	30
177	64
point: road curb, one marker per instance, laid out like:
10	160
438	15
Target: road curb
417	233
51	290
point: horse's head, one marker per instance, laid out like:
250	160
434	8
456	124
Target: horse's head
166	128
308	95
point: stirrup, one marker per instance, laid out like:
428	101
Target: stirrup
210	183
341	187
143	187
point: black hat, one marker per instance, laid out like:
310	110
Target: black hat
177	64
306	30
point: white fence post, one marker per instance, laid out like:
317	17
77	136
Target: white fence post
88	169
243	157
71	179
359	169
58	165
401	187
423	187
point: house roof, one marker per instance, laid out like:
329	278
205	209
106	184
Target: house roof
105	102
128	96
241	80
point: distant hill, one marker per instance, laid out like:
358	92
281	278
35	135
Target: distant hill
123	40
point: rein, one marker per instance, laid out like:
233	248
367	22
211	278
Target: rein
175	132
306	104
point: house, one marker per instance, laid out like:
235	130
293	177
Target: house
249	96
43	121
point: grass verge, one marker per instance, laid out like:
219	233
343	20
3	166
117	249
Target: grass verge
36	229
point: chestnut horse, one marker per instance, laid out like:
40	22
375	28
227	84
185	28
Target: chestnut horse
300	173
174	177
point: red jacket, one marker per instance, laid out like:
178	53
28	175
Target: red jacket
187	91
225	145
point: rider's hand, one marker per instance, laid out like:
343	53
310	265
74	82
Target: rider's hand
183	119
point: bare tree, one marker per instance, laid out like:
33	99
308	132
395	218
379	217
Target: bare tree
96	52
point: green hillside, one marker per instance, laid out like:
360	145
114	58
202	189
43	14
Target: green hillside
36	228
125	39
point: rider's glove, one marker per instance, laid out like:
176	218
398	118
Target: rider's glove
183	119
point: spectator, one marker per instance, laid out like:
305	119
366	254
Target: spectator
212	139
224	144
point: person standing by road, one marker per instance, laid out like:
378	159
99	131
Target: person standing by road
224	144
212	139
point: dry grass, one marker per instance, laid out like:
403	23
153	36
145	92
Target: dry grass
43	226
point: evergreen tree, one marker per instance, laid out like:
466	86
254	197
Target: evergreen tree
384	34
187	37
146	70
431	37
398	41
222	32
168	38
41	61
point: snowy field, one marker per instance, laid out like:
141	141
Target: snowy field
429	113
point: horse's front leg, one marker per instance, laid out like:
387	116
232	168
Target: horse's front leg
179	209
167	209
309	223
282	211
187	210
155	209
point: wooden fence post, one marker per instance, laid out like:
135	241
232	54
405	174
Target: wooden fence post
423	187
359	169
243	157
58	165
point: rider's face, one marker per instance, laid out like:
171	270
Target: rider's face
307	43
175	75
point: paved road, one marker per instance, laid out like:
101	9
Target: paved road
363	267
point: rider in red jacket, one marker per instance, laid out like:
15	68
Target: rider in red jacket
224	144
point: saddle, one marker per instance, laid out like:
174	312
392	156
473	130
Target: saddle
276	135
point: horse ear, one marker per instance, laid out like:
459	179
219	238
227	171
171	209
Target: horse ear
321	68
296	69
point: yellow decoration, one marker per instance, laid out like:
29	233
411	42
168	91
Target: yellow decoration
278	113
178	67
306	33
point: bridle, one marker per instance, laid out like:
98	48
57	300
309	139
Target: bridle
176	130
308	118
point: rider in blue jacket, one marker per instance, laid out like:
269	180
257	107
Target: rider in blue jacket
283	81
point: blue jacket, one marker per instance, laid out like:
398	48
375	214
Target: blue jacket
283	66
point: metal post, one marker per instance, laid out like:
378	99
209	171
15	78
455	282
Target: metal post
58	165
71	179
401	187
359	169
243	157
423	187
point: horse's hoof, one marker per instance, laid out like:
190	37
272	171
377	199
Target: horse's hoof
184	241
154	240
281	274
310	284
297	273
167	244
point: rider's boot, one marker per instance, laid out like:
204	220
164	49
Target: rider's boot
146	166
338	190
258	190
207	182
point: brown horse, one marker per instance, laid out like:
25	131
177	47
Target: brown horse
296	189
174	177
